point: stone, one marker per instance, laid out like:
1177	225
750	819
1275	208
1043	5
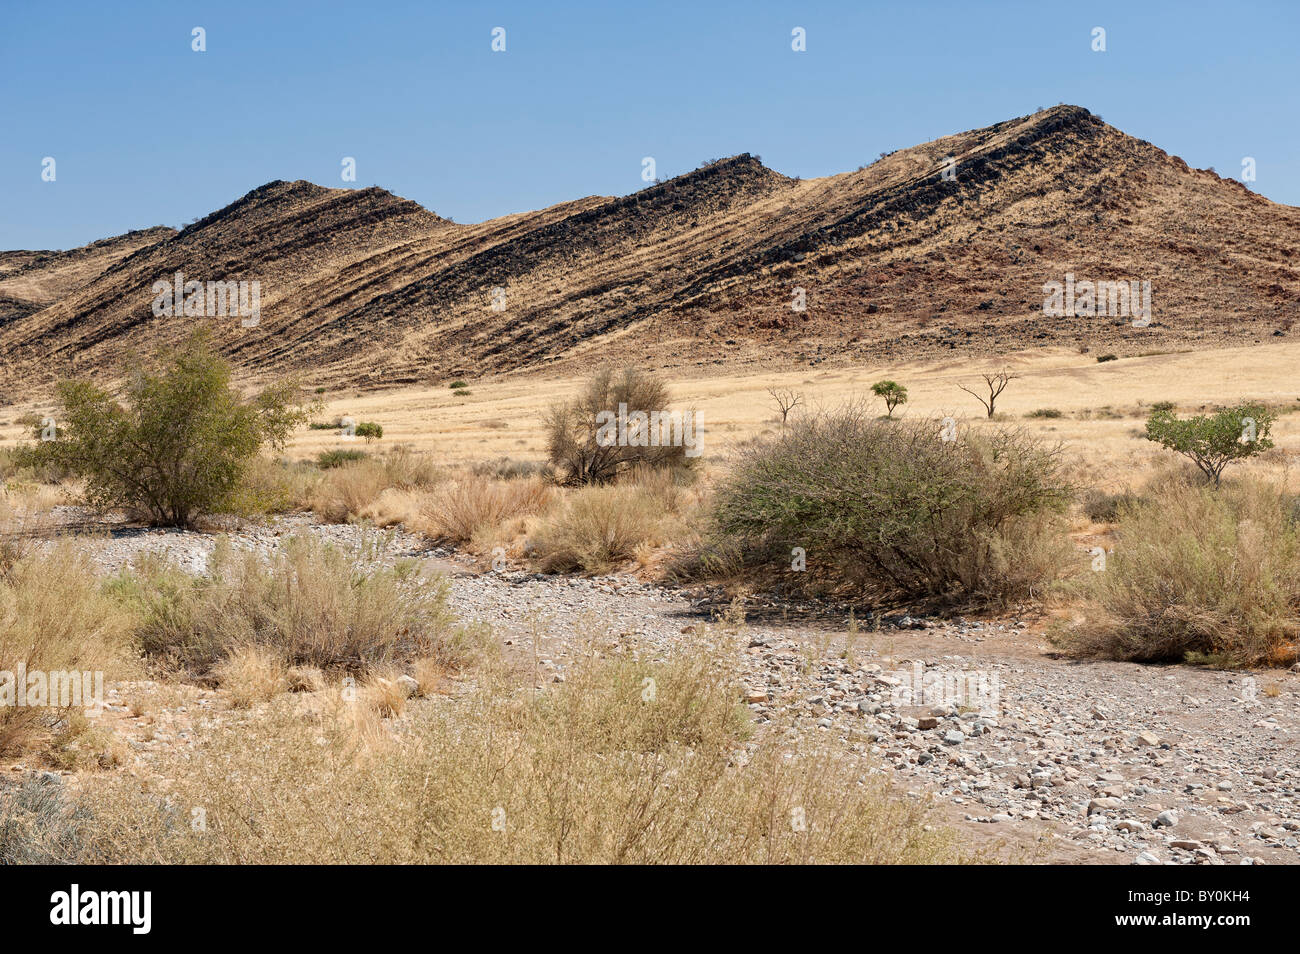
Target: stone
1104	805
1166	819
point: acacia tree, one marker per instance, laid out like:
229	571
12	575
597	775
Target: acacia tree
893	394
176	442
1214	442
786	400
995	383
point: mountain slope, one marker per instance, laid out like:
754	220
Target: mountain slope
364	288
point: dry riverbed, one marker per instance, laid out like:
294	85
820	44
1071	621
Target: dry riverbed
1060	760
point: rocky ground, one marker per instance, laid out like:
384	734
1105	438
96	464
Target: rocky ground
1054	759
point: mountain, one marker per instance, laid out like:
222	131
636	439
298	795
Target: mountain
941	249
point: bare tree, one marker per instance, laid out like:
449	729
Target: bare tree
996	384
786	400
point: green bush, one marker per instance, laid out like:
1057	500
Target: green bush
1101	358
1213	442
893	507
369	430
179	442
328	460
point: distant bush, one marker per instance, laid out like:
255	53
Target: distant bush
1213	442
456	385
369	430
1101	358
579	444
508	468
328	460
1197	574
181	443
1163	407
890	506
1045	413
1104	507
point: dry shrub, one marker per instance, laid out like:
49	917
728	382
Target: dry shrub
54	617
385	695
1197	574
469	506
311	603
599	527
273	485
351	491
252	674
574	444
628	762
305	679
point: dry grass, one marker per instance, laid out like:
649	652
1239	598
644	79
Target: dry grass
252	675
629	762
470	506
355	490
598	527
54	616
310	604
1197	574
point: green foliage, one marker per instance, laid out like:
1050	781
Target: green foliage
890	506
176	443
369	430
892	393
1102	358
328	460
1215	441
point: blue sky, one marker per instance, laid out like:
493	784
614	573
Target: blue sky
145	131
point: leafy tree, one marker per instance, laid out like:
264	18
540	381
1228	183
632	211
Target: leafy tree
1213	442
176	442
892	393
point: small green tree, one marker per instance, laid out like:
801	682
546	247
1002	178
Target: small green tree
892	393
1213	442
179	441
